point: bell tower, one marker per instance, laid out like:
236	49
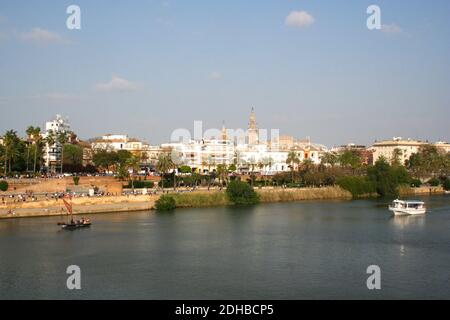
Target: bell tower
252	129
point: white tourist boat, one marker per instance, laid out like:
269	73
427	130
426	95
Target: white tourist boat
401	207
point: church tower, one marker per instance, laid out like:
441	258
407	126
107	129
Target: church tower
224	132
253	135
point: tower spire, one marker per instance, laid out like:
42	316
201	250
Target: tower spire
252	129
224	131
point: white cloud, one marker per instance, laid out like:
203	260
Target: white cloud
391	28
42	36
116	84
215	75
299	19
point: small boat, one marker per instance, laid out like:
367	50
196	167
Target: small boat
401	207
73	224
76	224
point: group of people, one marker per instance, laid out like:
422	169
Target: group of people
19	198
83	220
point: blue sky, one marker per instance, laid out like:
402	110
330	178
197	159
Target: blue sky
148	67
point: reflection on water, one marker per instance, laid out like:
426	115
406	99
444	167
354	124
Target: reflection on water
303	250
402	222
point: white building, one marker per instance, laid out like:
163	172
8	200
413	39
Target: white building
147	154
261	159
444	146
203	155
388	149
52	152
116	142
249	153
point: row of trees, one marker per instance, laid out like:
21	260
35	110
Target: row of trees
346	169
26	155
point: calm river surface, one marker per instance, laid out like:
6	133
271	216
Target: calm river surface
302	250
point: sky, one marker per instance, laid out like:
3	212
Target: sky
309	68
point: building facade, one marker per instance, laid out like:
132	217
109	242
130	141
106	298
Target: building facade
397	147
52	150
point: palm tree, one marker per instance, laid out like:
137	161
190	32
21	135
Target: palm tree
50	139
292	160
396	157
252	163
62	138
29	132
37	138
266	162
163	166
307	165
133	164
222	172
209	162
329	158
261	166
10	141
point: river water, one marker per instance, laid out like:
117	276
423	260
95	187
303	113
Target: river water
302	250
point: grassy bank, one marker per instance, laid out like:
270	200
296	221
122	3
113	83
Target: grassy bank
219	198
285	195
405	191
201	199
196	199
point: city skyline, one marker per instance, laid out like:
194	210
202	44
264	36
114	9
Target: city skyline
309	69
211	132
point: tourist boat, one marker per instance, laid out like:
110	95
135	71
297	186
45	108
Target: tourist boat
401	207
73	224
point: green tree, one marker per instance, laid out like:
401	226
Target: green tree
357	185
185	169
429	162
292	160
62	138
2	157
132	164
387	178
329	158
30	133
232	167
105	159
163	166
37	141
446	184
165	203
50	139
11	145
350	159
241	193
123	157
73	155
397	157
222	173
3	185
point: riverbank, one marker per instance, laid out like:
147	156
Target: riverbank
80	206
420	191
213	198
